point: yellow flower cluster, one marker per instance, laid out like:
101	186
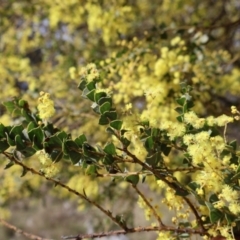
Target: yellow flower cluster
50	169
45	106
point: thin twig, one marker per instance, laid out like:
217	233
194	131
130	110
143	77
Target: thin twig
20	231
149	205
157	174
135	230
57	182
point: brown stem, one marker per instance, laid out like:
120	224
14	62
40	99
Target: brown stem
135	230
149	205
57	182
157	174
26	234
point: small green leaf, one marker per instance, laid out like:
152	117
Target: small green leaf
10	164
179	110
180	118
165	149
82	85
116	124
110	130
28	152
90	95
154	159
2	130
105	99
37	134
214	214
108	160
181	101
10	141
91	86
3	145
24	172
194	185
20	145
80	140
99	95
134	179
16	130
88	150
112	115
233	144
149	143
103	120
110	149
71	149
91	170
31	125
125	141
105	107
230	218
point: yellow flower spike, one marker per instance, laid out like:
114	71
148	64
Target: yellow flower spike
45	106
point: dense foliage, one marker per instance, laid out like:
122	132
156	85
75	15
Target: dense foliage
112	98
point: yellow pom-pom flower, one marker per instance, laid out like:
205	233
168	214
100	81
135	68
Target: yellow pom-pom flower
45	106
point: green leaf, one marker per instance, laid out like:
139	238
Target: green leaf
31	125
91	170
10	164
99	95
180	118
24	172
165	149
37	135
10	141
125	141
20	145
116	124
105	99
179	110
28	152
80	140
155	132
154	159
233	144
82	85
3	145
112	115
56	154
91	86
194	186
230	218
110	149
71	149
110	130
16	130
103	120
149	143
134	179
214	214
88	150
181	101
10	106
108	160
90	95
2	130
62	135
105	107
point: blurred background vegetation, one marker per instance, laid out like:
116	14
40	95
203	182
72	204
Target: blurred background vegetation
40	40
